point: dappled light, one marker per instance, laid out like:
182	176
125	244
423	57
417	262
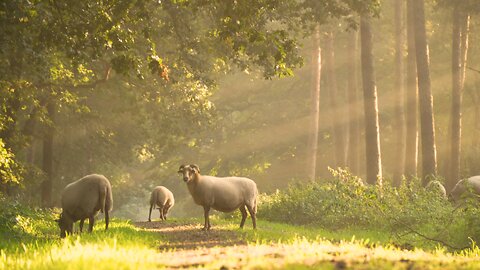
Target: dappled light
246	134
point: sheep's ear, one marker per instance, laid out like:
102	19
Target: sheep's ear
195	167
180	169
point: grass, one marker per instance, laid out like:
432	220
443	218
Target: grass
271	246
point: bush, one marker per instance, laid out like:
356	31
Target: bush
18	221
409	213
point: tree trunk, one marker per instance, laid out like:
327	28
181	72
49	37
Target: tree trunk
411	147
400	95
335	112
48	158
427	126
459	54
315	106
353	108
372	130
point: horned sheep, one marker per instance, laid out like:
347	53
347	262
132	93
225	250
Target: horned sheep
224	194
83	199
163	198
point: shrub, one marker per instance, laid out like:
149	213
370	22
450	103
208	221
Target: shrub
409	213
19	221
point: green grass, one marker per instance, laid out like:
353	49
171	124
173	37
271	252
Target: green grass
123	245
283	246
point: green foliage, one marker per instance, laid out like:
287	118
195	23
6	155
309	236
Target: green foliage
19	222
410	213
9	169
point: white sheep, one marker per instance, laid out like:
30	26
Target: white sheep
471	184
225	194
437	187
163	198
83	199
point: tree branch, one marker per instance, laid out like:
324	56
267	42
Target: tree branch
473	69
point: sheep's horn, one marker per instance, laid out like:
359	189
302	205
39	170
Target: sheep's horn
180	169
195	166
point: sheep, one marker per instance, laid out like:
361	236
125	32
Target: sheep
471	184
163	198
83	199
437	187
224	194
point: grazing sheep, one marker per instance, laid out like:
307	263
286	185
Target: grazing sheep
225	194
83	199
471	184
437	187
163	198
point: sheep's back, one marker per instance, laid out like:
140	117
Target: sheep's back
461	186
229	193
82	197
161	194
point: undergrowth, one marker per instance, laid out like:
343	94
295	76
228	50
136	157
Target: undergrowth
412	215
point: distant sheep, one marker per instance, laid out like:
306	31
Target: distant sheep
163	198
438	188
83	199
466	187
225	194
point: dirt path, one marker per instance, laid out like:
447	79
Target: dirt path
184	245
182	235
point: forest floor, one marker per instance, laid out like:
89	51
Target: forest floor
185	245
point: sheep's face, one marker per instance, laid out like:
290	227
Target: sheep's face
65	224
188	172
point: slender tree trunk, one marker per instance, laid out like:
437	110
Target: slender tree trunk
427	125
353	108
48	158
315	106
459	54
411	151
372	130
336	113
400	95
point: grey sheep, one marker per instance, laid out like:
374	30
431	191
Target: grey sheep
225	194
83	199
471	184
163	198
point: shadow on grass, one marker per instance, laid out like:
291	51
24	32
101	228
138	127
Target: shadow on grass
185	235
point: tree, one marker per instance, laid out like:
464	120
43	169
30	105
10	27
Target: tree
48	150
333	96
427	125
460	30
315	105
400	140
354	104
372	129
411	102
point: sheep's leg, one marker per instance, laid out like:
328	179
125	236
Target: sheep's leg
161	213
165	211
91	220
244	215
206	214
107	219
81	224
253	215
150	213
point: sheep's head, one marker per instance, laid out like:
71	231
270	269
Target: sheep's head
65	224
188	172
